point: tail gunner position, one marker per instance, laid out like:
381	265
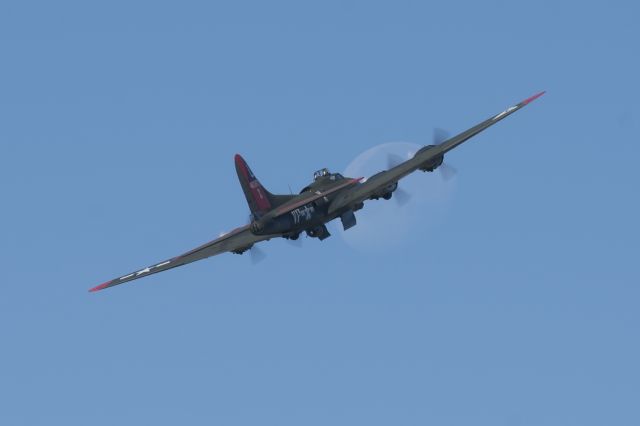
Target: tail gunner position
328	197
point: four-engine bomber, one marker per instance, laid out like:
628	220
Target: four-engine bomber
328	197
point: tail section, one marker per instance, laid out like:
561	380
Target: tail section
259	199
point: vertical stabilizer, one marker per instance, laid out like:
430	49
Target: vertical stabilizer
259	199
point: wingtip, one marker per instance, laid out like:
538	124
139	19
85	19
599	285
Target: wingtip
99	287
533	98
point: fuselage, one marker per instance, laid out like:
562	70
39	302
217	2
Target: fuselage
308	211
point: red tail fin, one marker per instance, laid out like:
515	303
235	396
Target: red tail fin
260	200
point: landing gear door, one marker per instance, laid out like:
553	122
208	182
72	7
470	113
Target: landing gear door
348	219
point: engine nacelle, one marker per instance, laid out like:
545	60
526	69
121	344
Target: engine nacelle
384	192
433	163
242	249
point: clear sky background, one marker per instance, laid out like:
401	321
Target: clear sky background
118	126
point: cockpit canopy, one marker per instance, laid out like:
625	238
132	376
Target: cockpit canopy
321	173
325	173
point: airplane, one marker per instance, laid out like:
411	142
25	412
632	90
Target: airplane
328	197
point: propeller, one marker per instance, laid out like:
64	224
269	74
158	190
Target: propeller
446	171
297	243
401	196
393	160
384	225
257	254
439	136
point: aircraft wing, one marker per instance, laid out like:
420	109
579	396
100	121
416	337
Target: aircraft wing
382	180
239	238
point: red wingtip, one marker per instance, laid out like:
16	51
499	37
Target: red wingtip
533	98
100	287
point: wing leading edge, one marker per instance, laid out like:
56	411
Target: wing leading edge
238	239
393	175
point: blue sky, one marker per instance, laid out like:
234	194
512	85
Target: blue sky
119	122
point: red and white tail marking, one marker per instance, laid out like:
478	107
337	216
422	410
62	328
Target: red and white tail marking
258	193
